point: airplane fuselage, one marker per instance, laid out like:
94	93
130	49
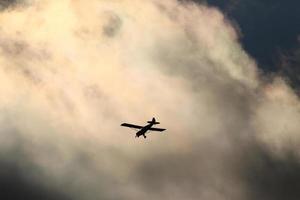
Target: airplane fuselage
144	130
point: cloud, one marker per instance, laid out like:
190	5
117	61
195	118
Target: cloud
270	177
17	183
268	27
13	4
72	71
288	66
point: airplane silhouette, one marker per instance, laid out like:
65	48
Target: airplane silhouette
143	129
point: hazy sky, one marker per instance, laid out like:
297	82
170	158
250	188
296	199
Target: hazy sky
72	71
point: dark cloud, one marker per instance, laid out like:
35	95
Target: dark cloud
15	185
270	177
20	178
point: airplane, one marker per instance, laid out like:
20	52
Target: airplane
143	129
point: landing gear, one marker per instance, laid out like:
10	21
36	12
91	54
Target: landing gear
144	136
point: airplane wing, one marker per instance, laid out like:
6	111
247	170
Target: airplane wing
131	126
157	129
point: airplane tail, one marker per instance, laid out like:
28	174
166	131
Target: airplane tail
153	121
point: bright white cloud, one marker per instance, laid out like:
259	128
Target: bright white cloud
72	71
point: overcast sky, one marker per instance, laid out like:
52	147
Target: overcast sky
220	77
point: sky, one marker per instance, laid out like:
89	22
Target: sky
269	33
217	76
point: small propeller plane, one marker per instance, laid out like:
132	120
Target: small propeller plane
143	129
